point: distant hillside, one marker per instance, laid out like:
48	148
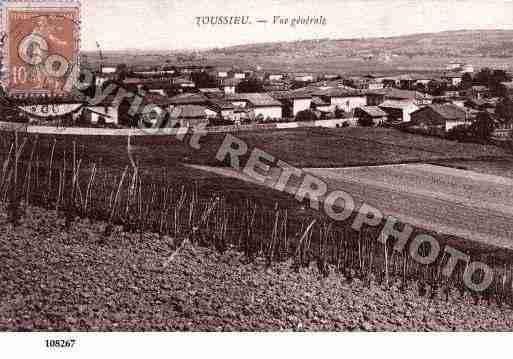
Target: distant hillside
489	43
419	52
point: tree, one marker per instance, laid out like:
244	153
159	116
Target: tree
458	133
505	109
250	85
484	77
340	113
122	71
483	127
203	80
436	88
466	81
306	116
365	122
492	79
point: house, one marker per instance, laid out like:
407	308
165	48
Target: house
467	69
271	86
294	101
193	68
373	81
188	99
321	105
376	97
222	108
422	79
438	119
304	78
183	83
103	78
156	86
275	77
372	114
330	77
213	92
398	110
263	105
451	93
452	79
480	104
508	86
503	129
324	84
454	66
154	72
108	70
191	115
221	73
229	86
238	75
480	92
365	82
44	109
105	112
346	99
458	101
391	81
406	82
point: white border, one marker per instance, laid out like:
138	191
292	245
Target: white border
260	346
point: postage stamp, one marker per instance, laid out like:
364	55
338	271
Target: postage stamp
41	45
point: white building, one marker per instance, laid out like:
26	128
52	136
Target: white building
468	68
262	105
343	99
399	110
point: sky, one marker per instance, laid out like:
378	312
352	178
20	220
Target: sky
171	24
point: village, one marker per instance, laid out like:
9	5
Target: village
459	103
347	170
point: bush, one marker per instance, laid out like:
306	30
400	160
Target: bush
365	122
306	116
458	133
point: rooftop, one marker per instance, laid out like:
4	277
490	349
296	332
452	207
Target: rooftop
448	111
396	104
337	92
188	99
189	111
256	99
373	111
394	93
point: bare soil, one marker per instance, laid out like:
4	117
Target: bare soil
57	280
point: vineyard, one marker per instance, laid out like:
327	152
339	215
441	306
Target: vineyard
208	210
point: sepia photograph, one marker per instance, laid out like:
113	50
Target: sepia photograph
277	167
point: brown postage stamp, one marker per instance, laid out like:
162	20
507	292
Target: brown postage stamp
41	46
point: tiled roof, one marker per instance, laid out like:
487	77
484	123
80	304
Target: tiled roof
188	99
221	104
508	85
189	111
396	104
373	111
337	92
297	94
256	99
319	102
394	93
449	111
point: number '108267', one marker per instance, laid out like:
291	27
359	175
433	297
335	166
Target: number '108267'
55	343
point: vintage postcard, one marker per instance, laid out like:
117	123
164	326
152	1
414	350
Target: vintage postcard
266	166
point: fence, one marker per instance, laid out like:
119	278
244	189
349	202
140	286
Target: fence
82	131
